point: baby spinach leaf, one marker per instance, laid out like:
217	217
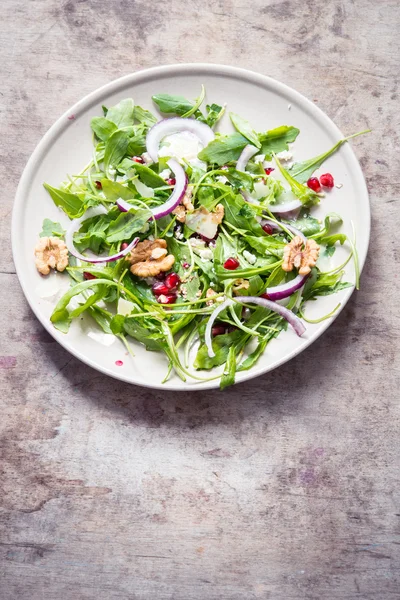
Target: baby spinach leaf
228	376
144	116
224	149
244	127
103	127
50	228
70	203
177	105
276	140
127	224
148	176
122	113
115	150
114	190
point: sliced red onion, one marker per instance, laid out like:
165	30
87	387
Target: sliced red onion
175	125
286	207
210	324
287	314
247	152
75	226
284	290
248	198
180	187
275	225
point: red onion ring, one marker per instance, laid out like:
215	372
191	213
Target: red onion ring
175	125
284	312
74	227
279	292
179	190
247	152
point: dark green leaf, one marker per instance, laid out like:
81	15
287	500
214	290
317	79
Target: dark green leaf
126	225
148	176
177	105
214	113
116	147
137	145
228	376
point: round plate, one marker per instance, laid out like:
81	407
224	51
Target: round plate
67	147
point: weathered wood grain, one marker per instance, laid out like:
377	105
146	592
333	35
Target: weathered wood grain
283	488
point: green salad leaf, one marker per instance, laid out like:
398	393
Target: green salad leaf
245	129
51	228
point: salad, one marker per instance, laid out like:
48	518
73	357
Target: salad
201	246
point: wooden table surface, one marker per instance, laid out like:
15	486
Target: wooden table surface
283	488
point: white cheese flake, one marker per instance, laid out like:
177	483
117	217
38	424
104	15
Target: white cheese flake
249	257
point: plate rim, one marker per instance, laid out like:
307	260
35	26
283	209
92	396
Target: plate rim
141	75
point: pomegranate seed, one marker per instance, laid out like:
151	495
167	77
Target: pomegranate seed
268	229
218	330
124	245
160	276
167	298
269	170
172	281
138	159
313	184
88	276
160	288
185	265
327	180
98	185
171	181
231	264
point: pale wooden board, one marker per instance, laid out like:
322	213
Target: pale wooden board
283	488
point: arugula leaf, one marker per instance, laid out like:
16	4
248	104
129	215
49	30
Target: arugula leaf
329	251
115	150
303	193
240	214
60	315
214	114
103	128
228	376
276	140
244	127
221	346
122	113
168	104
197	103
70	203
100	317
151	339
266	245
330	240
307	224
144	116
51	228
238	179
302	171
224	149
148	176
114	190
325	285
126	224
137	145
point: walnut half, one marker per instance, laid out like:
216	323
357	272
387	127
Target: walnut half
150	258
294	255
184	206
51	253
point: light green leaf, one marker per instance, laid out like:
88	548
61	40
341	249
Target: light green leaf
103	127
126	225
122	113
51	228
70	203
244	127
276	140
116	147
224	149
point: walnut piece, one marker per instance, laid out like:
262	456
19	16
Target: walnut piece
239	285
51	253
150	258
209	293
294	255
184	206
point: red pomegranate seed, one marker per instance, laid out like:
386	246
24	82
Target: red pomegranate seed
169	298
218	330
268	229
185	265
88	276
313	184
327	180
124	245
171	181
160	288
269	170
98	185
160	276
231	264
138	159
172	281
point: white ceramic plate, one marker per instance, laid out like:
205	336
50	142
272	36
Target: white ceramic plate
67	147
